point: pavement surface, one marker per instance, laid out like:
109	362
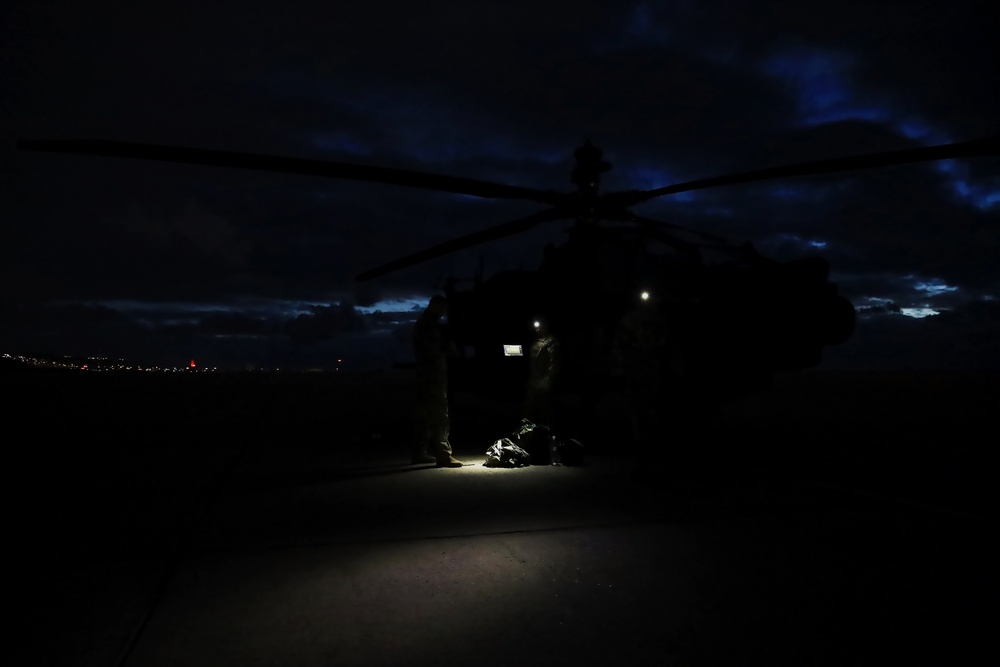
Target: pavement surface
184	545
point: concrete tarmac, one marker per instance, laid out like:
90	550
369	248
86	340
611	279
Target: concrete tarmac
388	564
290	551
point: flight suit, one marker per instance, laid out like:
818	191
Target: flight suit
542	372
648	362
431	352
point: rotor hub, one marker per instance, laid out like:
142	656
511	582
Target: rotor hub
589	167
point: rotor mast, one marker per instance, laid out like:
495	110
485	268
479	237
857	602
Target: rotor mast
590	164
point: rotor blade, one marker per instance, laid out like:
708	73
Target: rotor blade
358	172
974	148
462	242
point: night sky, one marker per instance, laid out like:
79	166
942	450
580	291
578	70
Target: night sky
161	263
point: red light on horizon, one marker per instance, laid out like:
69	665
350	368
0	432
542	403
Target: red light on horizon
192	363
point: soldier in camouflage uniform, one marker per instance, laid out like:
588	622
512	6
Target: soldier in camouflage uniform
648	363
431	350
542	374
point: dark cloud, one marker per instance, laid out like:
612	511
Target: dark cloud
965	338
223	323
325	322
72	329
261	264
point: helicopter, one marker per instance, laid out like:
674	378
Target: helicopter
740	318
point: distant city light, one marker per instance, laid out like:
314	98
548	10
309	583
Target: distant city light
105	364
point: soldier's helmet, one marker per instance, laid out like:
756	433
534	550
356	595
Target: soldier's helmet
437	304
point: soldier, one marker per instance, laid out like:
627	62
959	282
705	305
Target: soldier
647	361
431	351
542	373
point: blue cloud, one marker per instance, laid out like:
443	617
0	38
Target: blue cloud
408	305
819	81
166	311
932	287
645	177
982	196
808	243
919	313
642	26
920	130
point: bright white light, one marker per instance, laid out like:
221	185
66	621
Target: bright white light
537	324
644	296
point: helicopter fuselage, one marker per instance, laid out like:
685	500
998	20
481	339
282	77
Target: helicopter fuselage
733	325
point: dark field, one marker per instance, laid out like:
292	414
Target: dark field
926	437
119	483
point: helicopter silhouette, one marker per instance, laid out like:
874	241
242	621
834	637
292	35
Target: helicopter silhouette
740	317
